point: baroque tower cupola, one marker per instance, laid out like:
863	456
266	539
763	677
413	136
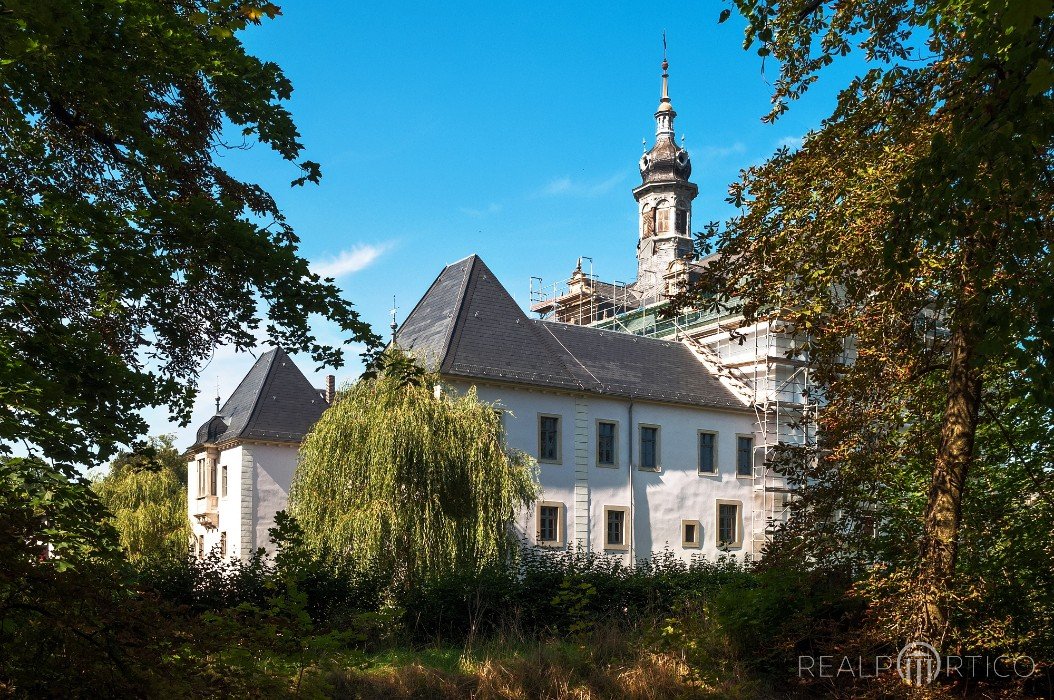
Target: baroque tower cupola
664	201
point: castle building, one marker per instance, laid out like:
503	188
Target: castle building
650	433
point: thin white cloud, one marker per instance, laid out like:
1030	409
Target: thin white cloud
349	261
560	185
791	142
566	186
492	208
715	152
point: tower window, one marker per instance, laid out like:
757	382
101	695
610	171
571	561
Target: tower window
682	221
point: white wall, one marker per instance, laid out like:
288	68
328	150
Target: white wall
229	506
660	500
272	474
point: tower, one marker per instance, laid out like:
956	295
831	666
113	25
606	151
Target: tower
664	203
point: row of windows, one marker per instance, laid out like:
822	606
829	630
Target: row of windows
551	527
649	455
207	478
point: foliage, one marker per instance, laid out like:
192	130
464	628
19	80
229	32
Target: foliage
129	253
416	481
145	492
905	246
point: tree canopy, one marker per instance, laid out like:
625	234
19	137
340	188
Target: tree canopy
145	493
907	246
416	480
128	251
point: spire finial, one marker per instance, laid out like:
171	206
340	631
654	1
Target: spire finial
665	68
217	394
394	325
665	114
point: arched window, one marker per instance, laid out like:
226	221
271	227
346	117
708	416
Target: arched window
662	221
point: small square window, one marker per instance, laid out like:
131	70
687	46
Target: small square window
744	456
729	532
548	438
649	447
606	436
691	534
615	531
707	453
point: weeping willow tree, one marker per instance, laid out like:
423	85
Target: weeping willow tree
416	481
145	493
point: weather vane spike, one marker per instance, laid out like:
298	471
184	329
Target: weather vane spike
664	45
217	394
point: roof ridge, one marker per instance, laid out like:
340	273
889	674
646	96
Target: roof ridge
455	328
268	378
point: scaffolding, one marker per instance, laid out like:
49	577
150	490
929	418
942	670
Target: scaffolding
764	364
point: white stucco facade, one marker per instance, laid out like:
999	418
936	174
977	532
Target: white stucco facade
657	501
235	521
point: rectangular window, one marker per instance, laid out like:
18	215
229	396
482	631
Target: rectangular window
707	461
548	438
201	546
606	443
550	524
615	534
223	544
223	481
212	477
690	534
728	525
649	447
201	478
744	456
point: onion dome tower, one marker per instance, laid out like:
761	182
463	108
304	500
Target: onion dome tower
664	201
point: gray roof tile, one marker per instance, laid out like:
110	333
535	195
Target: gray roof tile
467	325
274	401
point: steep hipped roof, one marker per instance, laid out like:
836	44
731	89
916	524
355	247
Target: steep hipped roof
467	325
274	401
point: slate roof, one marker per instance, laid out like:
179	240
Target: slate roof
275	401
467	325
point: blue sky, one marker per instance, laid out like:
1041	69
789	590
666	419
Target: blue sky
508	130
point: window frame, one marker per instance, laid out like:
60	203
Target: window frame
561	525
745	436
212	465
223	544
696	543
716	469
738	542
626	525
223	481
559	438
614	464
201	478
641	427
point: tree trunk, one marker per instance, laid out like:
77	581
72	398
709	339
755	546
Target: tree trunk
944	506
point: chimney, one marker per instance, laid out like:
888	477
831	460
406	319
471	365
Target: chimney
331	388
